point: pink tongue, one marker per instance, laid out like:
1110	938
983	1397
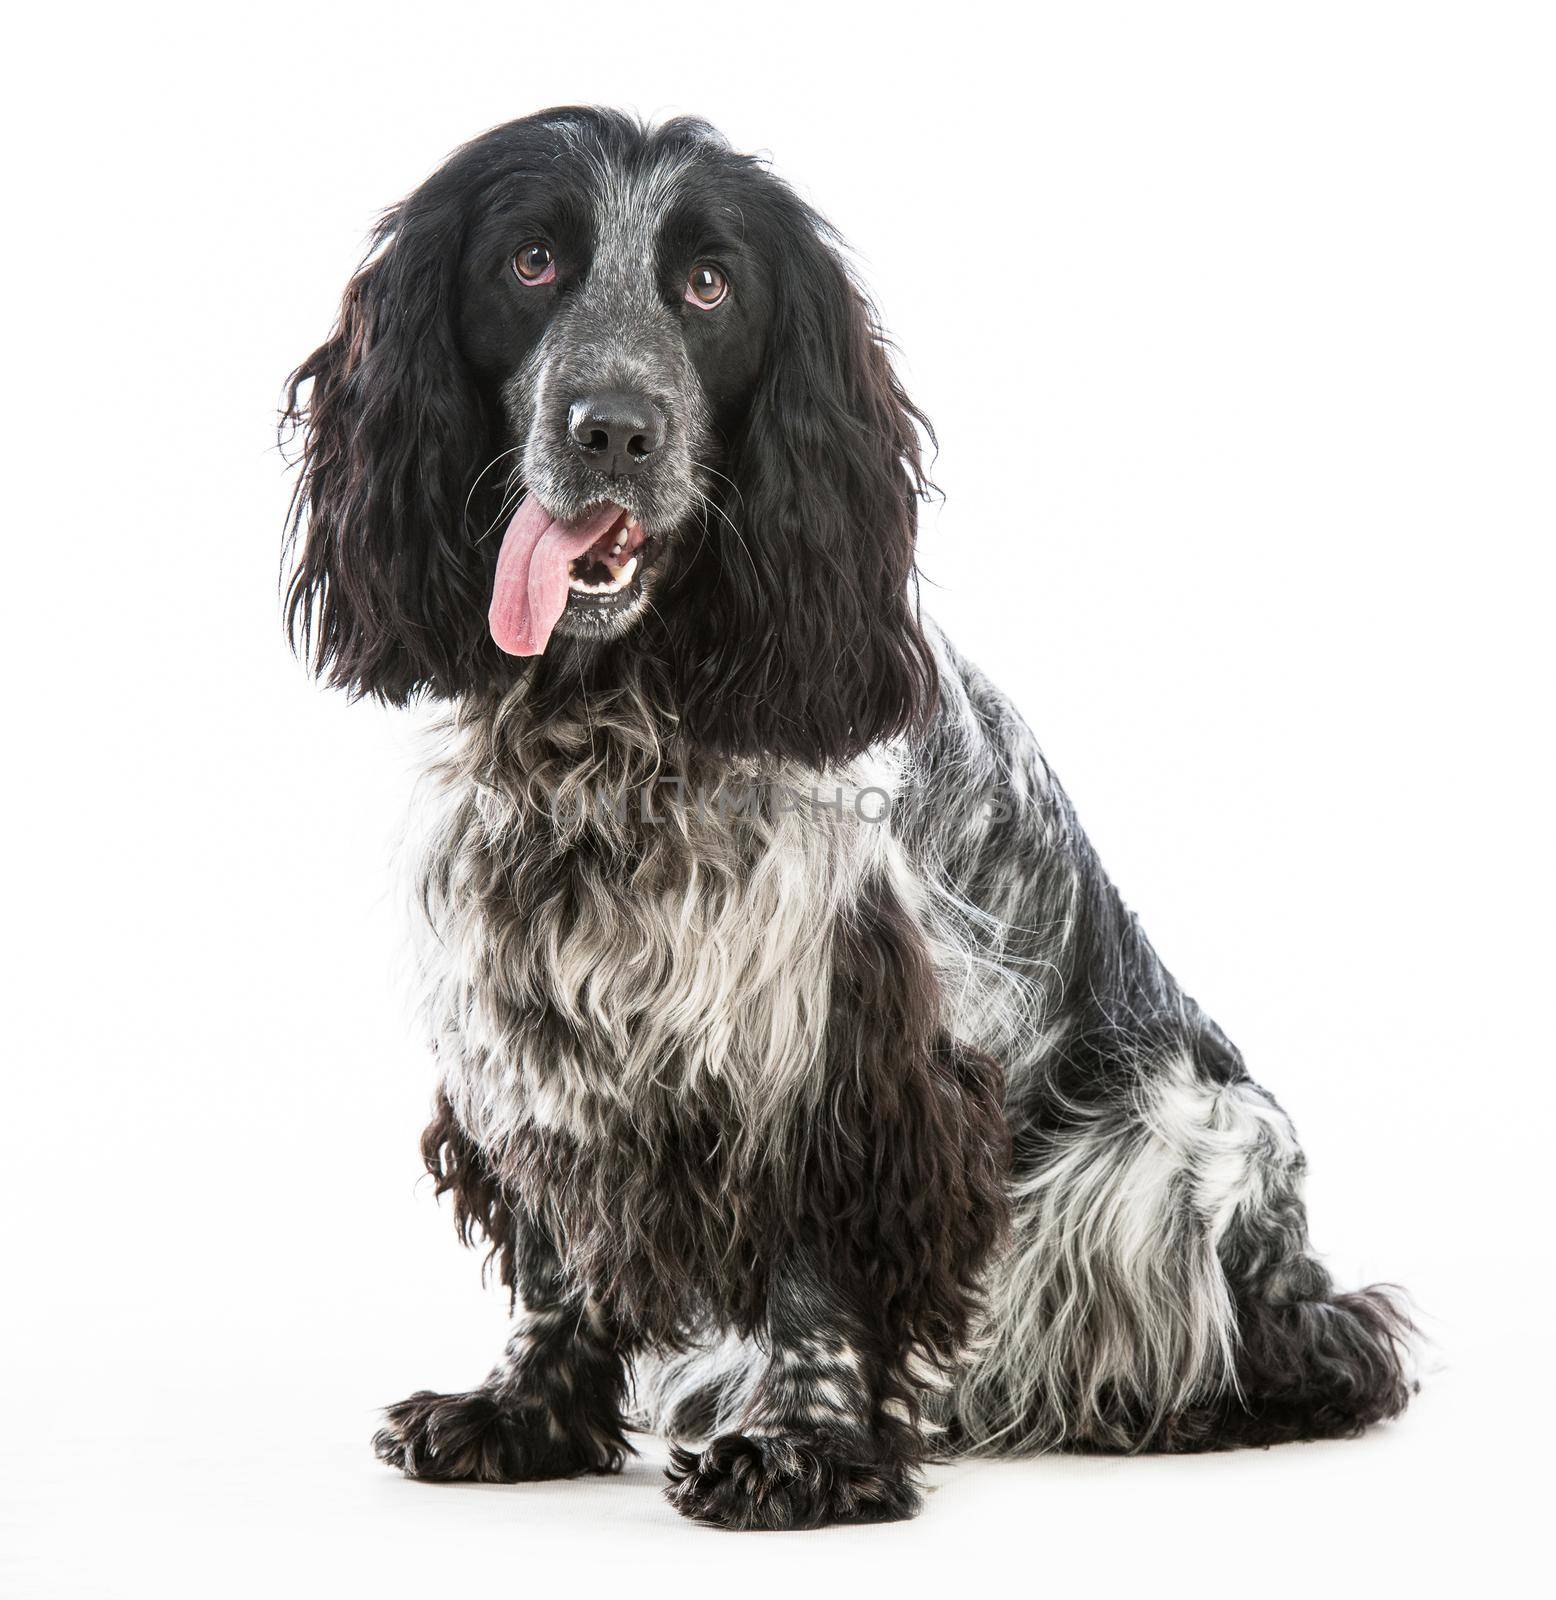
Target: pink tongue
531	588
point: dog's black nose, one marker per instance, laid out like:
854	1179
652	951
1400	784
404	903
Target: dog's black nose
616	432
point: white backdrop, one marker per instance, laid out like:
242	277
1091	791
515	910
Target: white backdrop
1267	568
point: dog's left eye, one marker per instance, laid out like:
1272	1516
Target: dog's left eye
535	263
706	286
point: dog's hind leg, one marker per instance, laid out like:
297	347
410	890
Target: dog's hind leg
1161	1293
1307	1362
1310	1363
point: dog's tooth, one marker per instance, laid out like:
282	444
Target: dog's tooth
620	577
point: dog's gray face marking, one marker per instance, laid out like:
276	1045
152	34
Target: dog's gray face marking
615	332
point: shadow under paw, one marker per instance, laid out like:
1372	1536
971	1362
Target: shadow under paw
788	1481
482	1437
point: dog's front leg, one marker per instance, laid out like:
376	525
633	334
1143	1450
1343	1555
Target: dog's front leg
895	1199
825	1435
551	1408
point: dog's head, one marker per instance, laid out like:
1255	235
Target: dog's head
600	388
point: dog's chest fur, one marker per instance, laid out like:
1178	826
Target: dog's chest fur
629	965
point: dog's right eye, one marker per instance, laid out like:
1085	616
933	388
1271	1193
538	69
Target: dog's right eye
534	263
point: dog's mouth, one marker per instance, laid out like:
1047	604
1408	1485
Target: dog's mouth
610	570
591	564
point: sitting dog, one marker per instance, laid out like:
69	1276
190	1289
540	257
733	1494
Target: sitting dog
821	1102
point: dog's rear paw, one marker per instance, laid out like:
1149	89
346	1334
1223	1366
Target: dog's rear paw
482	1437
788	1481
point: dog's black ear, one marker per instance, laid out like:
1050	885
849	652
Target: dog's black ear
387	593
803	637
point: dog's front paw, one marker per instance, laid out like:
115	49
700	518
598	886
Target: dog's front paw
787	1481
483	1437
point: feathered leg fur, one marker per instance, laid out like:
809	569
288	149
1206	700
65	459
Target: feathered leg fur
1162	1294
552	1407
897	1201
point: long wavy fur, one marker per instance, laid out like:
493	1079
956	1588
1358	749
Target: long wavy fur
822	1141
